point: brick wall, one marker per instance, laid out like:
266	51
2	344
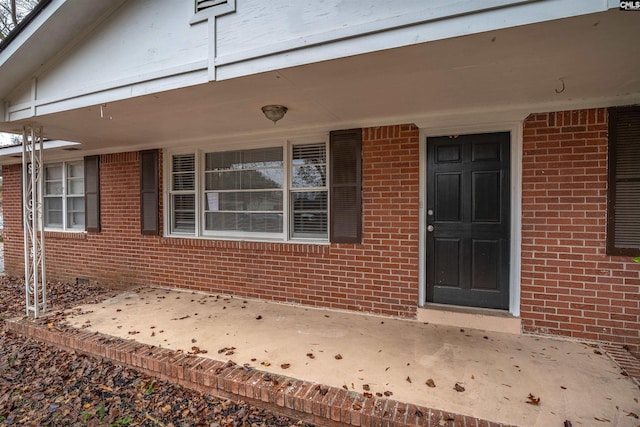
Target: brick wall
570	286
380	275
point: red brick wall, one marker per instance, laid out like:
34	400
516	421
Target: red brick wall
570	286
380	275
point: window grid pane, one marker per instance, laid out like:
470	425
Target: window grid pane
53	212
53	180
184	172
309	166
309	214
247	195
184	213
249	222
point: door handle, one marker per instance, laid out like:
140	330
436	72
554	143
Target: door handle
430	228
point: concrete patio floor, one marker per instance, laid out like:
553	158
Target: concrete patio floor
497	371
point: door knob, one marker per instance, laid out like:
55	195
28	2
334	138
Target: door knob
430	228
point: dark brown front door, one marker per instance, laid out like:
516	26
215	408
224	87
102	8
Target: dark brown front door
468	220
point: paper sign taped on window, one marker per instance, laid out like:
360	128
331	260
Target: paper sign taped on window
213	201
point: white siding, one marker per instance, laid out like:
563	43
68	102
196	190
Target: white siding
263	36
142	40
148	46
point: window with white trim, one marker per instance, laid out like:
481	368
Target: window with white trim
183	193
64	196
308	195
275	192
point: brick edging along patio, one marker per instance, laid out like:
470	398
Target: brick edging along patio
304	400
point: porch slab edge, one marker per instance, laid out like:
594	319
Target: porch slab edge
303	400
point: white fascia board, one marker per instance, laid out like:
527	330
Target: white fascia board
167	79
395	32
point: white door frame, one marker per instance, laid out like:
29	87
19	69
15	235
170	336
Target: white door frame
515	128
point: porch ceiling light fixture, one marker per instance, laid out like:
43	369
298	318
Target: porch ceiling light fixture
274	112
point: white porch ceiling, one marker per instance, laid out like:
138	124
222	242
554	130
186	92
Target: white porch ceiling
496	76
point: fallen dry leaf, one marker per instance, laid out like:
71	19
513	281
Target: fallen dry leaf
338	356
388	393
409	380
430	383
285	365
366	387
197	350
311	356
532	400
459	388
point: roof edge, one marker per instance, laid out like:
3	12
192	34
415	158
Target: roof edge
24	23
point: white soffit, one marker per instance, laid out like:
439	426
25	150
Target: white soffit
501	75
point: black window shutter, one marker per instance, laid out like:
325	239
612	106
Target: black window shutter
623	204
92	193
149	223
345	185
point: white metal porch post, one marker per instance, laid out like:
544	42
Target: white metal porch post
35	278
